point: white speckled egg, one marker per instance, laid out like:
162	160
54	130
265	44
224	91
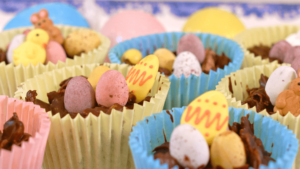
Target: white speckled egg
14	44
186	63
279	81
189	147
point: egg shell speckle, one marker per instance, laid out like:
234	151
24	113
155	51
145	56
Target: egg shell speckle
15	43
79	95
292	54
279	81
280	49
55	52
112	88
186	63
193	44
188	146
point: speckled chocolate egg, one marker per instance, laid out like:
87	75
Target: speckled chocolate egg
189	147
55	52
79	95
193	44
112	88
186	64
292	54
280	49
227	151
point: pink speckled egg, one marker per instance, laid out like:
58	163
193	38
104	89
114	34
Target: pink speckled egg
292	54
129	24
79	95
112	88
193	44
280	49
55	52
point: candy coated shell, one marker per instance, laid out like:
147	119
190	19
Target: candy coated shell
79	95
96	74
14	44
141	77
55	52
166	58
112	88
291	54
279	81
208	113
227	151
296	64
186	64
128	24
133	55
215	21
193	44
188	146
280	49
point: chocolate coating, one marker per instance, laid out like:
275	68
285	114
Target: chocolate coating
3	56
214	61
263	51
13	133
56	103
259	98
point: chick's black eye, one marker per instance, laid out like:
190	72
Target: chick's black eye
37	34
299	83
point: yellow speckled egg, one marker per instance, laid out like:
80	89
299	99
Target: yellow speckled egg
132	55
227	150
166	58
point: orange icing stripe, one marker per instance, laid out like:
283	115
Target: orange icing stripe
207	113
134	75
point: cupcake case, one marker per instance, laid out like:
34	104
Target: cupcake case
262	35
184	90
250	76
12	76
92	142
149	134
36	122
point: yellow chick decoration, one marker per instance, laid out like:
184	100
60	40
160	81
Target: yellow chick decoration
33	49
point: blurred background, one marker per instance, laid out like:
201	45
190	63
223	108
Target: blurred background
172	14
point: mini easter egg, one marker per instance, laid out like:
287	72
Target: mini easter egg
79	95
292	54
96	74
133	56
227	151
55	52
189	147
193	44
279	81
296	64
166	58
280	49
208	113
186	64
294	39
14	44
141	77
112	88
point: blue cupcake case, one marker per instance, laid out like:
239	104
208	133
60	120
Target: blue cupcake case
149	133
184	90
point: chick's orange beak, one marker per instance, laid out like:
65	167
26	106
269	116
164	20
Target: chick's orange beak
44	45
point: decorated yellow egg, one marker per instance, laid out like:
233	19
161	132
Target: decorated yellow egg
141	77
96	74
132	55
208	113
